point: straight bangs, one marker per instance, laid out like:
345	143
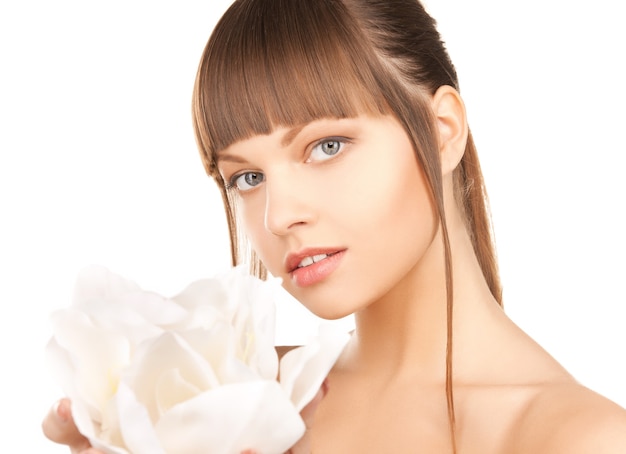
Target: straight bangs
282	63
285	63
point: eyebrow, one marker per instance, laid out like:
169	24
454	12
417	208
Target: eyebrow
291	135
286	140
221	156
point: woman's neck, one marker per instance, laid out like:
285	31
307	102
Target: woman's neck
405	331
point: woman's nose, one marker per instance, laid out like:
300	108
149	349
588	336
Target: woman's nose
288	204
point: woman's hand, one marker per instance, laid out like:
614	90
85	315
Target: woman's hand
59	427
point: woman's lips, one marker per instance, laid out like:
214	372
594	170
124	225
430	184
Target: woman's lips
313	267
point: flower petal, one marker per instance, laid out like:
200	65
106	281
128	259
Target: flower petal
304	369
167	352
201	366
135	425
97	355
97	282
231	419
204	300
172	388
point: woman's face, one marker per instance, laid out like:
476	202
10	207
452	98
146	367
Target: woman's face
338	208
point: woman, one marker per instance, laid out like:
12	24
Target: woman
337	135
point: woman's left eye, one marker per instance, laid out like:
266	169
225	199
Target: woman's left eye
326	149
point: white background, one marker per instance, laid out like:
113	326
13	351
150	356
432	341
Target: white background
98	165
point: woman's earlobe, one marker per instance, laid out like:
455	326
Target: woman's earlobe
451	119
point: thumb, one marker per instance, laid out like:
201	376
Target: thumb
59	427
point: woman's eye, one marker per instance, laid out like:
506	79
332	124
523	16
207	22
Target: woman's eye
326	148
246	181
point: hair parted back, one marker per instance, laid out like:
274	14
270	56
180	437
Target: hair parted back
272	63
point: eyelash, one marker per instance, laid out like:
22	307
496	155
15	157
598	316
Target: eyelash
342	141
231	184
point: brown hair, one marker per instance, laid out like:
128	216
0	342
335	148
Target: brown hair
289	62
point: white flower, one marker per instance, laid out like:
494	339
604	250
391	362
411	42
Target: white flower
195	373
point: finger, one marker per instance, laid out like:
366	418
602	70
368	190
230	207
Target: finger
59	427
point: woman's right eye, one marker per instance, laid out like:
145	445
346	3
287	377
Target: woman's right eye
246	181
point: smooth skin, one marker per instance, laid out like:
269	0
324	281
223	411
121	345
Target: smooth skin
354	185
370	201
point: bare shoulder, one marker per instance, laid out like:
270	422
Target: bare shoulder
570	418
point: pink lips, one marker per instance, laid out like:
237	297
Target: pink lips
316	271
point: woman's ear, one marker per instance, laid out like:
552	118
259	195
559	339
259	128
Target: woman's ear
452	125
